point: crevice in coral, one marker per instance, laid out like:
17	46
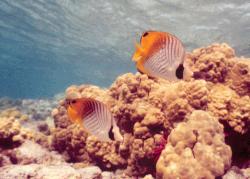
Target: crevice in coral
195	132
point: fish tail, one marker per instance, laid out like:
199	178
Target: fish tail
116	131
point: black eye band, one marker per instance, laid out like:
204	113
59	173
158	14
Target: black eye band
145	34
73	101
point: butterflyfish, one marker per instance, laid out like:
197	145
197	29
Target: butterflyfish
94	116
160	54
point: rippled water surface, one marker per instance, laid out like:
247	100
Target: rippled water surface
46	45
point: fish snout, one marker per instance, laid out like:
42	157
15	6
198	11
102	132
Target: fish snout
136	57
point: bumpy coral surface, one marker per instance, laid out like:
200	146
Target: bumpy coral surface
11	132
230	107
195	149
148	110
217	63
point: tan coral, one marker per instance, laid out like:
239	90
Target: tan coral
105	152
217	63
60	116
211	63
14	113
150	107
176	112
144	154
11	132
129	87
229	107
195	149
71	141
143	105
239	77
197	94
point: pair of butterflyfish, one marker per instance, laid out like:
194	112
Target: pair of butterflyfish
159	54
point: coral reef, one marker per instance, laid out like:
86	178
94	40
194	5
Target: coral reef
196	147
147	109
190	128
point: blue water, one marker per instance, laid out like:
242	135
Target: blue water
46	45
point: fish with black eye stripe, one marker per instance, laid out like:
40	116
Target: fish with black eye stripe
161	54
94	117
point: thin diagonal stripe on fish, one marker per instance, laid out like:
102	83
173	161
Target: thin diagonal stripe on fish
159	55
92	115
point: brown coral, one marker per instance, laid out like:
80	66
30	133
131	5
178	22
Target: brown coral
195	149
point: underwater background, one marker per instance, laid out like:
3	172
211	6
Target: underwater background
72	104
48	45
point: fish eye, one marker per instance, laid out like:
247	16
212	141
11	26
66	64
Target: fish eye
73	101
145	34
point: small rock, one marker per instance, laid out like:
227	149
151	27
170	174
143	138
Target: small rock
30	152
107	175
234	173
90	172
149	176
